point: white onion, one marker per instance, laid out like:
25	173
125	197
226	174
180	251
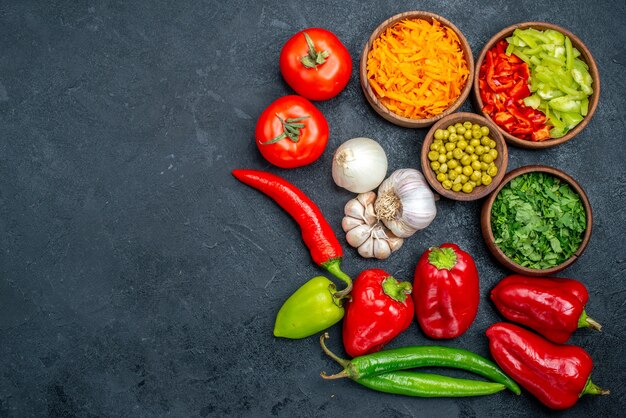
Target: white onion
359	165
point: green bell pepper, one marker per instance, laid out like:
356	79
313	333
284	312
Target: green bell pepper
311	309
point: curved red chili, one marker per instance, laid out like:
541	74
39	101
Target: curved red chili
317	234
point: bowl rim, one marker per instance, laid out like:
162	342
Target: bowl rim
373	99
503	154
487	232
585	55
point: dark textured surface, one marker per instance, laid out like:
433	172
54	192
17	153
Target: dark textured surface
138	278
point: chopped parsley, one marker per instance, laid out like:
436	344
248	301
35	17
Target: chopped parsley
538	221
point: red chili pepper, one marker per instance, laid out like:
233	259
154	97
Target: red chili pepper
557	375
553	307
503	83
316	232
446	291
378	311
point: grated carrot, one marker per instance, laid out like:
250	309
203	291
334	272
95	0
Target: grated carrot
417	68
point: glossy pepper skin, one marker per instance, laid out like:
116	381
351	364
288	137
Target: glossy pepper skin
311	309
557	375
554	307
445	291
380	309
317	234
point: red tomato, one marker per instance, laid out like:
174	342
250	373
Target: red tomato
291	132
319	69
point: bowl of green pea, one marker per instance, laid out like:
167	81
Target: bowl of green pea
464	156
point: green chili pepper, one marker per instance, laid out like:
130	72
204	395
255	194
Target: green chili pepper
364	367
312	308
427	385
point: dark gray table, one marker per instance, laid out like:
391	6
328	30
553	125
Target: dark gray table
138	278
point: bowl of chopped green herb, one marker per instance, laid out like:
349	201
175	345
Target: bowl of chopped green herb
537	221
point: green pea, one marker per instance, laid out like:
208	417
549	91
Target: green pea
447	184
443	168
492	144
449	155
452	175
477	134
441	177
442	158
479	181
452	164
450	146
475	126
457	153
459	169
461	130
486	179
456	187
458	125
474	142
434	146
452	129
433	155
464	178
484	166
467	170
493	153
484	130
474	157
435	165
453	138
467	124
468	134
485	142
469	149
487	158
472	182
476	165
479	150
466	160
439	134
446	134
476	175
461	144
492	171
467	188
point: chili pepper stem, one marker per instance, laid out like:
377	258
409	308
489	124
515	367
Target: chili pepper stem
593	389
333	266
585	322
342	361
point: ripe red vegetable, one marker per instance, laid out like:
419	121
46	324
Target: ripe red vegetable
316	64
554	307
291	132
503	83
445	291
316	232
380	309
557	375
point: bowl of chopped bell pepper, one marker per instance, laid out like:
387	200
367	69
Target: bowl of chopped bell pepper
416	68
538	82
538	221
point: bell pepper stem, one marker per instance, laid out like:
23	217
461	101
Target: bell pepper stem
395	289
442	258
334	267
593	389
342	361
586	322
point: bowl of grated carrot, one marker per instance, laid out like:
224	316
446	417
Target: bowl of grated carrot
416	68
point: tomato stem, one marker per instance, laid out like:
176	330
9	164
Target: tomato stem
313	58
291	129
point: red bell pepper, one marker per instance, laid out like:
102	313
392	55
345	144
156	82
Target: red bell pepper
503	83
379	310
446	291
553	307
557	375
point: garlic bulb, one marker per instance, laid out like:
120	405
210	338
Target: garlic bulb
405	203
365	232
359	165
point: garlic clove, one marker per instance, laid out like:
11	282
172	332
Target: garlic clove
358	235
355	209
366	198
395	243
370	215
348	223
366	250
381	248
400	229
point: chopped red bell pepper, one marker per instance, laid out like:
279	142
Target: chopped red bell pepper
503	82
